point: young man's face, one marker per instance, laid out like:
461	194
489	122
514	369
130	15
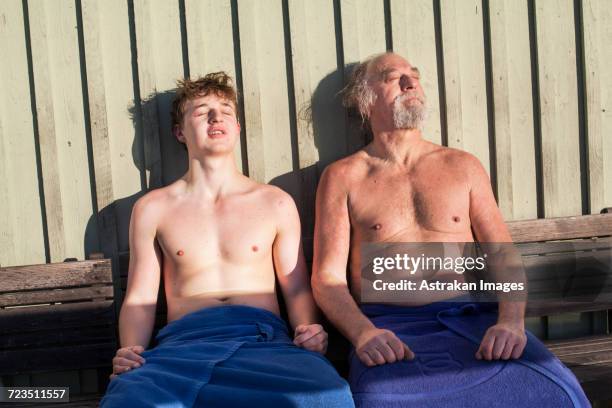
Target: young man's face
209	125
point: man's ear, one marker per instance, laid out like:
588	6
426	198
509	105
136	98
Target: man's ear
178	133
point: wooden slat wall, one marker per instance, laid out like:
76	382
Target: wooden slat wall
85	126
21	222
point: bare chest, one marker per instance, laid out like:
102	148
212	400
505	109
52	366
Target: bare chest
424	205
198	237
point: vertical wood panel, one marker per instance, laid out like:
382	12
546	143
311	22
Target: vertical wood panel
211	45
464	77
414	38
597	15
160	64
559	107
316	82
363	35
514	131
21	230
265	89
59	106
107	53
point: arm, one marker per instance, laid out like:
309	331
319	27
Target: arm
330	288
137	315
293	279
507	338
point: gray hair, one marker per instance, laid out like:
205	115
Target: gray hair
357	93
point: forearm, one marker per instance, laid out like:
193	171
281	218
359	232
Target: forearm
341	310
136	324
512	312
301	308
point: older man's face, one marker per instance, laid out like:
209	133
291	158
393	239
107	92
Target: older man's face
400	99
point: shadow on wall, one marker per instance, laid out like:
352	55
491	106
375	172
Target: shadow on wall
161	160
335	134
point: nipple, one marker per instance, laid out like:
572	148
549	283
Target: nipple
376	227
456	219
180	252
255	248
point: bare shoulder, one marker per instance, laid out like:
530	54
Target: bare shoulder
151	205
459	160
341	173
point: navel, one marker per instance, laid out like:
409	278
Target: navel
456	219
255	248
180	252
376	227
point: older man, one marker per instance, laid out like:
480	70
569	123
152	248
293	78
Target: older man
402	188
219	240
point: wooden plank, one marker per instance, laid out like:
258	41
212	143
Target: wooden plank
57	317
598	225
158	28
59	109
60	275
21	239
363	35
414	38
54	358
464	77
108	59
317	80
559	107
52	338
55	295
206	55
561	344
513	114
265	90
596	15
320	117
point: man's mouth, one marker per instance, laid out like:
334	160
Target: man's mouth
216	133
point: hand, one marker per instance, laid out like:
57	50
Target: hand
378	346
312	337
502	341
127	358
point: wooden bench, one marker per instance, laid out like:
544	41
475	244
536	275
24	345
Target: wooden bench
571	256
73	324
58	317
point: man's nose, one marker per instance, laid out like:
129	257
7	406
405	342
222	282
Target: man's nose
406	83
214	116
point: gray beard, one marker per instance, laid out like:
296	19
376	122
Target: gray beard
411	117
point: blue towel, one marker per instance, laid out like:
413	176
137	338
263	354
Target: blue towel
444	337
228	356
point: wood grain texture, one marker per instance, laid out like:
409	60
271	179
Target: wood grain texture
63	145
559	107
513	114
464	77
596	15
561	228
21	239
158	28
265	90
59	275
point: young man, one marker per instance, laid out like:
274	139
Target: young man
220	240
402	188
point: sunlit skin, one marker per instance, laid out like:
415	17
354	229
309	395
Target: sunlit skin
216	238
402	188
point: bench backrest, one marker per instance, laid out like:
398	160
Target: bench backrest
56	317
569	258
